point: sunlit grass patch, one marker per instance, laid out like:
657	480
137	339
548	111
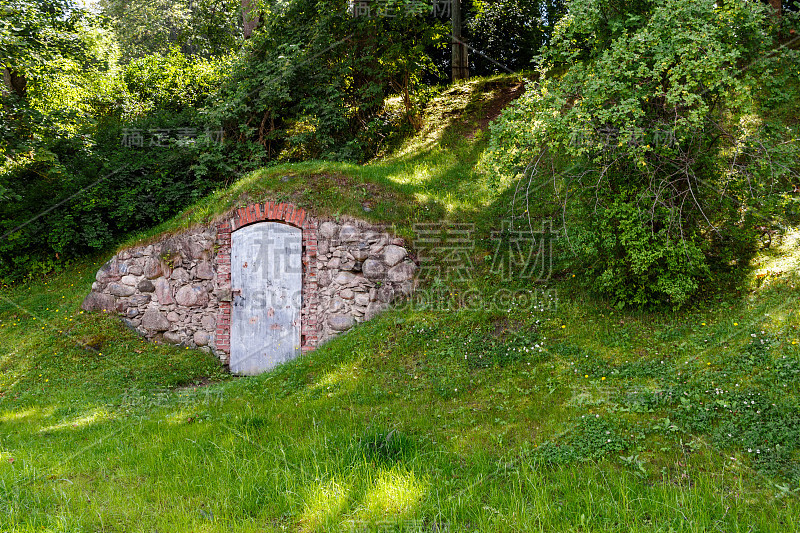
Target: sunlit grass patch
395	494
323	505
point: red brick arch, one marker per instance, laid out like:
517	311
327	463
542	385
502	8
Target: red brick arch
269	212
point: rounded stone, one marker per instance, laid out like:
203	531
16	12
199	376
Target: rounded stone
341	322
98	301
328	230
361	253
173	337
373	269
154	320
139	299
180	274
200	248
129	280
324	278
344	278
349	233
402	272
152	268
393	254
189	296
146	286
118	289
164	292
204	270
201	338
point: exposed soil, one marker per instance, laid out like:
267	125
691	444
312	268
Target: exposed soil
505	96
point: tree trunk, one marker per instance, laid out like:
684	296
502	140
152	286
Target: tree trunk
777	6
250	18
15	83
460	61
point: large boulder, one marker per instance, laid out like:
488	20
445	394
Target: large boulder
173	337
204	270
154	320
328	230
373	269
349	233
164	292
111	271
152	268
98	301
181	275
201	338
393	254
341	322
402	272
118	289
129	280
345	278
191	295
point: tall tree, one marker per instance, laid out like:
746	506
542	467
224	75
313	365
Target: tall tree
250	18
34	33
460	57
204	28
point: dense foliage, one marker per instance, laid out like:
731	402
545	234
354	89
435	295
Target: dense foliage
661	132
508	34
202	28
664	147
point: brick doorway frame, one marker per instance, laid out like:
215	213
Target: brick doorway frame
268	212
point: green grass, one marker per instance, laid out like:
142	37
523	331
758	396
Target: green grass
564	416
419	417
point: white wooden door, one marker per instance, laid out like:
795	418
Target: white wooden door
266	278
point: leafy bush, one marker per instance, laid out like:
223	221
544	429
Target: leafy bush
655	143
315	78
103	184
172	82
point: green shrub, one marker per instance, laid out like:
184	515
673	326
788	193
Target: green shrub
657	143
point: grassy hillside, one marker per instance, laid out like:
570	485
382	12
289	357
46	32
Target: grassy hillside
545	412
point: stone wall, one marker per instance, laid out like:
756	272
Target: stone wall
360	271
166	291
178	290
